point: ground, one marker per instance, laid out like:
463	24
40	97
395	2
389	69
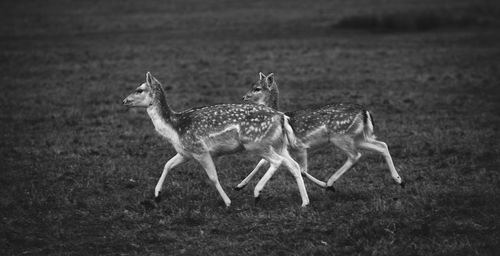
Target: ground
79	169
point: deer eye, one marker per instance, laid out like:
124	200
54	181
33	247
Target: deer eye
257	89
138	91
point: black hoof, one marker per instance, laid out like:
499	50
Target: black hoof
402	184
330	188
256	200
238	188
158	198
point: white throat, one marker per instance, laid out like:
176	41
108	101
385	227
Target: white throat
261	102
162	126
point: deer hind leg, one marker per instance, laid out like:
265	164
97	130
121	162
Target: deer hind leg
173	162
346	145
381	147
208	164
247	179
295	169
275	161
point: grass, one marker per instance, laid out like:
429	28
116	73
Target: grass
78	169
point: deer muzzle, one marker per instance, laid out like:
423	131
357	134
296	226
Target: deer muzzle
126	101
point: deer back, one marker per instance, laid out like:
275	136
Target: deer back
227	128
318	124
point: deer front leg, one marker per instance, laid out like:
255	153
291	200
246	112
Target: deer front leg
247	179
302	161
351	160
173	162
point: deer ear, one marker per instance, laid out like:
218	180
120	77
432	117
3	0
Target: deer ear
261	76
149	78
270	79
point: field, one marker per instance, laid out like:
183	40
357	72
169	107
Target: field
79	169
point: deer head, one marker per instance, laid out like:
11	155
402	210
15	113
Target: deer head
145	94
263	92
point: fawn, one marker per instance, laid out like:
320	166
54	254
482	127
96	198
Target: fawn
206	132
348	126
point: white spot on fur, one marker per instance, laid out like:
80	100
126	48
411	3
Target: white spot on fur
317	130
229	128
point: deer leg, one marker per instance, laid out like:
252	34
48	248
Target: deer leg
208	164
173	162
294	168
351	160
275	161
381	147
247	179
347	145
302	160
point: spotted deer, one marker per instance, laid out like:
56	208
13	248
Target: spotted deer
347	126
206	132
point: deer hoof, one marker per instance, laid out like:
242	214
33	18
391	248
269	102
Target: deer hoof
402	184
238	188
256	200
330	188
158	198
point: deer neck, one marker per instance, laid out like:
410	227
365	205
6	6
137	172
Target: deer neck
161	115
273	100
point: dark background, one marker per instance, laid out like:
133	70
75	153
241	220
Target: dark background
78	170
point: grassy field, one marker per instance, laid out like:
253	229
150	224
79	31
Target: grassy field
78	169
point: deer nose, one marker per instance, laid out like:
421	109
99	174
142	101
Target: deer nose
125	101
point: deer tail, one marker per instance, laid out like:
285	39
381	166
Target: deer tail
368	125
290	134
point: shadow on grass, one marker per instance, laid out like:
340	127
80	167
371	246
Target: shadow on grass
423	20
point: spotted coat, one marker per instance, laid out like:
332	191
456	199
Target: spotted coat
337	118
231	125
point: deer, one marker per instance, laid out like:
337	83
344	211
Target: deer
203	133
348	126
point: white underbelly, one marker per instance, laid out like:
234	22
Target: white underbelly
315	138
224	142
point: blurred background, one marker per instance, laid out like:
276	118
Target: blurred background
78	169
